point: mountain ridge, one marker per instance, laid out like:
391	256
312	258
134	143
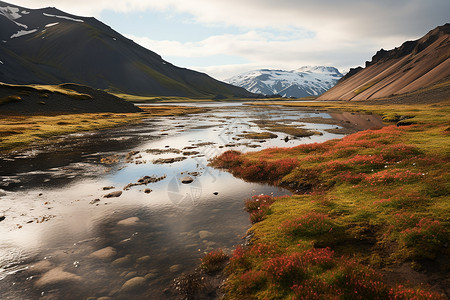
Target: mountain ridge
414	65
302	82
48	46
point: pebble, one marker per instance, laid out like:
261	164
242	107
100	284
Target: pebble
113	194
129	222
187	179
133	284
122	261
104	254
130	275
143	259
57	275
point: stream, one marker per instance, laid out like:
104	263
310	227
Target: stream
62	238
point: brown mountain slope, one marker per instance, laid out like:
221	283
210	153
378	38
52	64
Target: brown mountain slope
414	65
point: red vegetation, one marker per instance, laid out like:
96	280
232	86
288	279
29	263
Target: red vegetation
214	261
258	207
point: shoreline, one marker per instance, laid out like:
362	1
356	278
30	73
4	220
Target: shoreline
365	219
21	132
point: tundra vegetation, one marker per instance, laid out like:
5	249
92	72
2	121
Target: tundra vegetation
363	207
21	131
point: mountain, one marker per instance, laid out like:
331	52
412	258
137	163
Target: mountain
303	82
412	66
48	46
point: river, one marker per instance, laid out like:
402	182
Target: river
61	238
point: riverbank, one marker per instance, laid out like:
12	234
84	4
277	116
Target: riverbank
19	132
370	219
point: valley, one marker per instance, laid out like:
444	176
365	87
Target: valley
216	150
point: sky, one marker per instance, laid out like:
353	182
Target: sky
226	37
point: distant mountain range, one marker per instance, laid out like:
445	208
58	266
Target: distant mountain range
412	66
303	82
48	46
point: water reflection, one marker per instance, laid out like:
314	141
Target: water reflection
62	238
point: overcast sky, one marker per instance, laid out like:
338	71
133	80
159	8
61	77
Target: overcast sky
227	37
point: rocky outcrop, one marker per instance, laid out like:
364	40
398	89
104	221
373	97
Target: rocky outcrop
412	66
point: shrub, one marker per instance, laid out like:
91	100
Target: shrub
398	152
214	261
252	281
393	176
286	269
405	293
238	260
258	201
227	159
425	239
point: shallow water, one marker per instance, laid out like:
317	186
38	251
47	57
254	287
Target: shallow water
56	217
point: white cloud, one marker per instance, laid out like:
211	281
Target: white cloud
261	52
337	18
345	32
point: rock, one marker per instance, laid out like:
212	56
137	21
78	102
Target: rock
57	276
104	254
147	191
133	285
122	261
190	153
113	194
129	275
107	188
169	160
2	218
175	268
143	259
187	179
129	222
203	234
216	193
104	298
2	193
94	201
144	181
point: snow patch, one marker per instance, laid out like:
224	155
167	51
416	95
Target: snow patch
22	33
51	24
24	12
10	12
115	39
1	62
63	17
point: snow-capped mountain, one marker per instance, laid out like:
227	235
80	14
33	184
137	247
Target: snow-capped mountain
303	82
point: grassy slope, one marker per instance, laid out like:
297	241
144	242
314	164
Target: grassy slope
169	99
19	131
370	202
